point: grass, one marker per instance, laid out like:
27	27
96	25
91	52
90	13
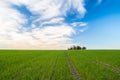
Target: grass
111	57
89	69
52	65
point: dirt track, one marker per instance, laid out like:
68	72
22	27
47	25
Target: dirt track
72	68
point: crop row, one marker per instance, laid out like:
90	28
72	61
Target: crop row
34	65
89	69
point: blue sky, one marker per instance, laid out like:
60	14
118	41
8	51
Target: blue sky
60	24
103	25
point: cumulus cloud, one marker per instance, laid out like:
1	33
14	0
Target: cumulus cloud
51	33
40	38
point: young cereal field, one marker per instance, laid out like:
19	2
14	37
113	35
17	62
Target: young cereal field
59	65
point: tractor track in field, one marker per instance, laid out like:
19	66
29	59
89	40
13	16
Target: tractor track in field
72	68
53	70
110	67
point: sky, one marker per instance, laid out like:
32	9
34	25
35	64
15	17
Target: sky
59	24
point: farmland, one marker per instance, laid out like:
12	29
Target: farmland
59	65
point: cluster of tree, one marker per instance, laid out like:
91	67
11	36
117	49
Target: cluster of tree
77	48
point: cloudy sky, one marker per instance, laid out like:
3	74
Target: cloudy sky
58	24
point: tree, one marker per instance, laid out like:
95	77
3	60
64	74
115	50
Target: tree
84	48
74	48
78	48
69	48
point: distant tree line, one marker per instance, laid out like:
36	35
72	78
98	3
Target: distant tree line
77	48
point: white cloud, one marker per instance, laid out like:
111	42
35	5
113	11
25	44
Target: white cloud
79	24
83	30
100	1
77	4
53	35
14	35
41	38
58	20
10	20
52	8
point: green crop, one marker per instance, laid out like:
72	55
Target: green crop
56	65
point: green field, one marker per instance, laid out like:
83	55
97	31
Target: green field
59	65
